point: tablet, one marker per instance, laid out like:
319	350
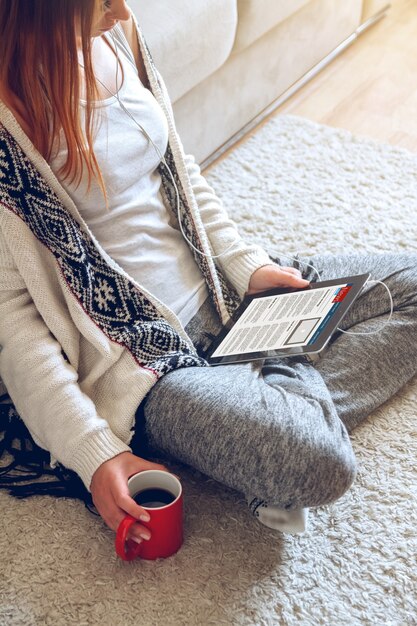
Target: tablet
285	322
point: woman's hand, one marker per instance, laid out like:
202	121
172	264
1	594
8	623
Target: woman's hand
271	276
111	494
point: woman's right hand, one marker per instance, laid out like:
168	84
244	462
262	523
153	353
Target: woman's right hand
111	496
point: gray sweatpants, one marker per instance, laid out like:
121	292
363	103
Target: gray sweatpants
278	429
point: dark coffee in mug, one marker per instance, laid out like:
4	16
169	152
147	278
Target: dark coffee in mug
161	493
153	498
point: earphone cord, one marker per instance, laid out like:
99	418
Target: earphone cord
162	159
374	332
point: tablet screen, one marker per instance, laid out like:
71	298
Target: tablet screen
293	321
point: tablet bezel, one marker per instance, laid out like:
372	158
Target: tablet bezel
357	282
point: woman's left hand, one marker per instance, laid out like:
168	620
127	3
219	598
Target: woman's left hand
272	276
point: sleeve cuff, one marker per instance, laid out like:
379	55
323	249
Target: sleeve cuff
91	452
240	269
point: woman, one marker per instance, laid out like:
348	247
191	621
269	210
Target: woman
107	302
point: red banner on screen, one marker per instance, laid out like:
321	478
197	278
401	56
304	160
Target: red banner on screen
342	293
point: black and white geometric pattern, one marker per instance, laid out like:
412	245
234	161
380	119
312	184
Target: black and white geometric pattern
115	304
230	296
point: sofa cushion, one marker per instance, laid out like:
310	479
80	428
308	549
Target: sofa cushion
188	40
372	7
256	17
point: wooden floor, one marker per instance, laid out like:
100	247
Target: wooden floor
371	88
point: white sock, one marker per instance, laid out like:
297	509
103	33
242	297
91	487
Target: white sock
291	522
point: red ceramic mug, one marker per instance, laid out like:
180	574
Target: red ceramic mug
160	493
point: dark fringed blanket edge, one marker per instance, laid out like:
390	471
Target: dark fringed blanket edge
24	465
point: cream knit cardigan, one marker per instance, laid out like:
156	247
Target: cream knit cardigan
81	343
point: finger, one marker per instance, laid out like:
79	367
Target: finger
137	531
145	465
292	270
163	468
126	503
290	280
114	515
156	466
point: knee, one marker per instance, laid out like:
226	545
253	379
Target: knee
403	282
328	477
318	475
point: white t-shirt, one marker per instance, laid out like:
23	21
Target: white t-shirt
134	230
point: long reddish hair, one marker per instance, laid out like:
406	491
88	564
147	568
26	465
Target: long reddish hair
39	68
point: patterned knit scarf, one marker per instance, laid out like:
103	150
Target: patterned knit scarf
24	466
137	325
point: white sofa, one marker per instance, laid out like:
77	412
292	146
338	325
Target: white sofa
227	61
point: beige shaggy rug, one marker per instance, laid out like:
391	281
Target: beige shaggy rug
298	187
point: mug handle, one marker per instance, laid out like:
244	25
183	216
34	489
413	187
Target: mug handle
127	550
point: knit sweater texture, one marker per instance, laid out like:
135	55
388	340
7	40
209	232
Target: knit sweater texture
81	342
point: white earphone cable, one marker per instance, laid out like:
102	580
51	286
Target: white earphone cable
162	159
374	332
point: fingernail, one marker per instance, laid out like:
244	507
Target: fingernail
146	537
137	539
145	517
